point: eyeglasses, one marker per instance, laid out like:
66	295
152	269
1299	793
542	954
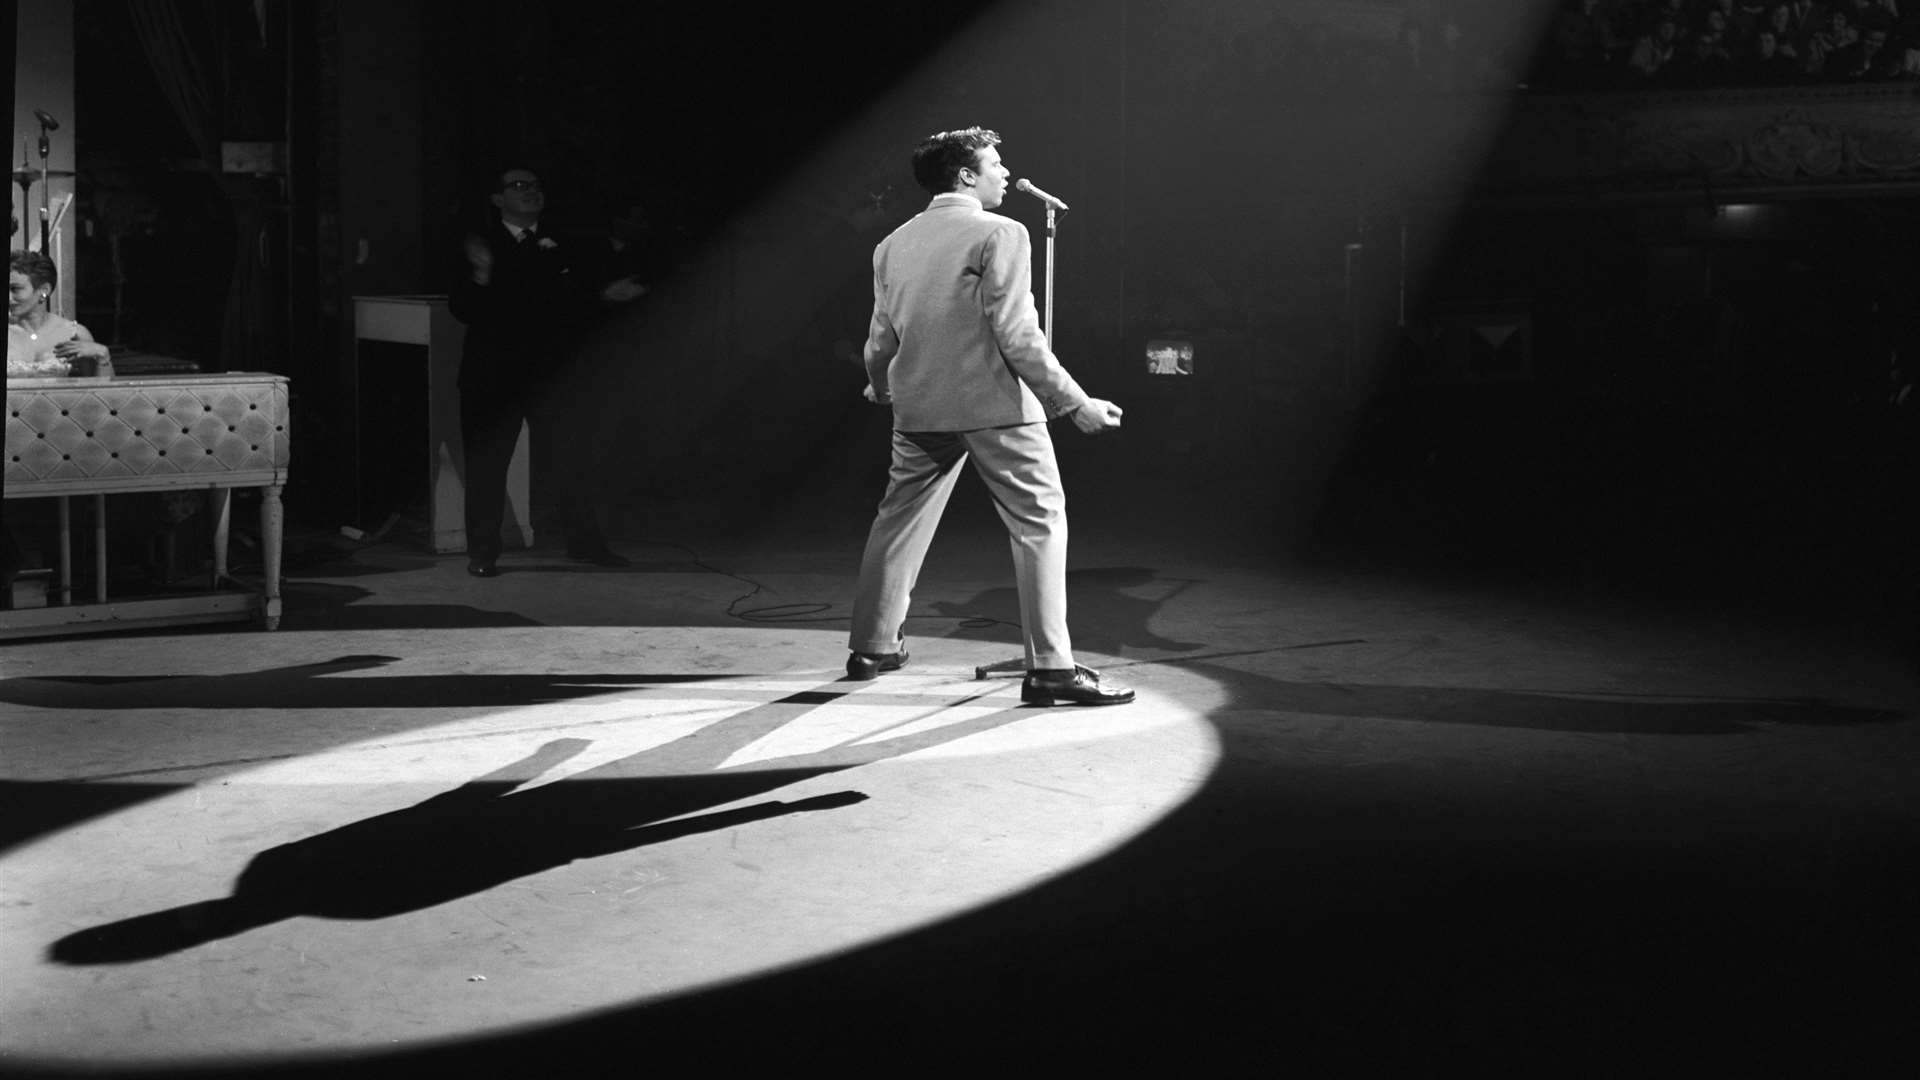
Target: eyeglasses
521	185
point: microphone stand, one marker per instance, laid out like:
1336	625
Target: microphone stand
1046	321
25	179
46	191
1018	665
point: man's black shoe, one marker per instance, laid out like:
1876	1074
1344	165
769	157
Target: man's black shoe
482	568
869	665
1081	686
599	556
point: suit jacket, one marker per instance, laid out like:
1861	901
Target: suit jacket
519	324
954	337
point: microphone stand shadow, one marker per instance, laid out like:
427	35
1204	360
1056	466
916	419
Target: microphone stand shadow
487	832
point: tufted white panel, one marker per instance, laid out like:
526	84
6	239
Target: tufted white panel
161	431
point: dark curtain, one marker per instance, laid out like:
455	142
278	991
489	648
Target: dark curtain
182	43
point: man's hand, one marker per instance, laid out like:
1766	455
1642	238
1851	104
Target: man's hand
875	396
479	259
621	290
1096	416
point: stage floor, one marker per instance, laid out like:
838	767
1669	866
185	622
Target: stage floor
571	819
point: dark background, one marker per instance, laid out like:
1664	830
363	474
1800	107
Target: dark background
1695	399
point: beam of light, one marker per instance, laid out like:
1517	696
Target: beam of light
768	802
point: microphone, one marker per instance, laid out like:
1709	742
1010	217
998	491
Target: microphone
46	119
1027	186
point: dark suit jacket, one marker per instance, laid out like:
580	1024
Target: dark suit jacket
520	324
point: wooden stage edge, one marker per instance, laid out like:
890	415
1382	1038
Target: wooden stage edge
138	614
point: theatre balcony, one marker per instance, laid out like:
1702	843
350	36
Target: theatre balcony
1721	144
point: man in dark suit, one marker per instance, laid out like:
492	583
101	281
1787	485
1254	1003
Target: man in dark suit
955	347
522	298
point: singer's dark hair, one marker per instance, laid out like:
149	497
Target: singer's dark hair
937	161
35	267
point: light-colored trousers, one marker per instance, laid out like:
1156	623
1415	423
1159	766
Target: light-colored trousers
1020	471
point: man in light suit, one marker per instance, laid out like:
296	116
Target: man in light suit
956	349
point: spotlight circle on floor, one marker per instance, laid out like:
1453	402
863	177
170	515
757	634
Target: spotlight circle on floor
625	816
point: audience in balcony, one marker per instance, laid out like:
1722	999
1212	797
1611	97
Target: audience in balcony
1789	33
1457	47
1651	57
1766	62
1867	57
1803	17
1704	43
1707	59
1733	28
1748	16
1586	42
1838	33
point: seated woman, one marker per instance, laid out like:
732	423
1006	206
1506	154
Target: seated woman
41	344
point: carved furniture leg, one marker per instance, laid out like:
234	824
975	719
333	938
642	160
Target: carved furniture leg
100	549
66	552
272	518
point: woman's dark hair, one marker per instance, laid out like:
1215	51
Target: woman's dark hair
36	267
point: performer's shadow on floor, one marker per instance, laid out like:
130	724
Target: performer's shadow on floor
487	832
333	684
